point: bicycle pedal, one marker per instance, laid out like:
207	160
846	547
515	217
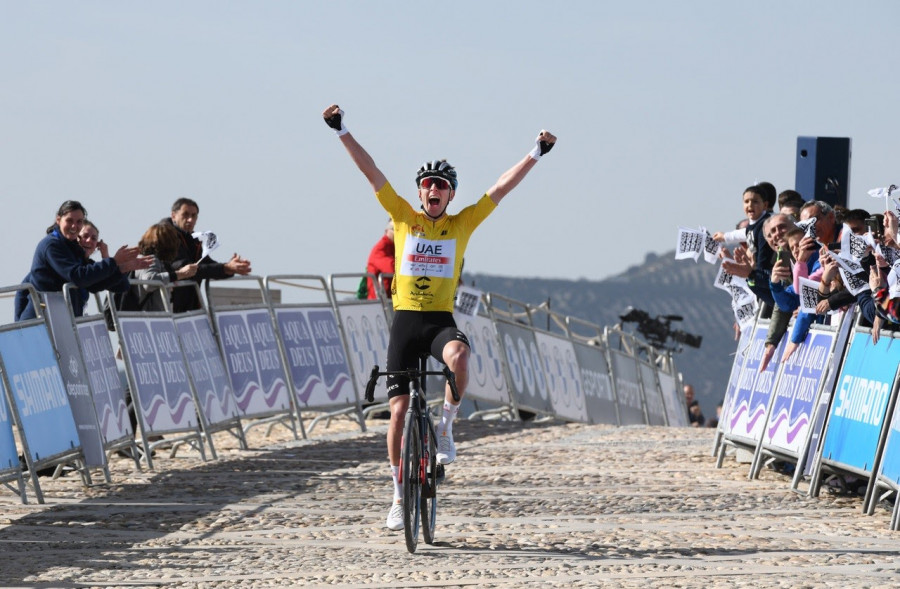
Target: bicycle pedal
439	473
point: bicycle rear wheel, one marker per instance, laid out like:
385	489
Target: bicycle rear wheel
429	486
412	487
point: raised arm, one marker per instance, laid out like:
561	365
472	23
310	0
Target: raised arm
511	178
333	116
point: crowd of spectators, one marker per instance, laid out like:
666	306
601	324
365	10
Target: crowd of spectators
831	245
840	249
167	252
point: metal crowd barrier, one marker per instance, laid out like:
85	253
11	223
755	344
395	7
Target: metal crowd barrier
274	360
829	411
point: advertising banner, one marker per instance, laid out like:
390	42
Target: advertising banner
860	401
366	331
656	411
734	380
628	389
676	412
9	456
524	362
160	382
214	392
253	362
76	378
38	392
315	356
109	395
890	458
599	400
796	390
747	415
563	376
486	379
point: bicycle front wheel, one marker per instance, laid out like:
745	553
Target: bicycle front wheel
429	485
412	475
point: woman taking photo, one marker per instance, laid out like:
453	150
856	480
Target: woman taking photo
59	259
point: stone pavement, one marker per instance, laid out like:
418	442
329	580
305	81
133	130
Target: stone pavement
526	504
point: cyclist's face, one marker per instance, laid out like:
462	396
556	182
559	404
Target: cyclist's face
435	200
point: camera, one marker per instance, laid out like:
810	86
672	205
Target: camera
875	224
657	331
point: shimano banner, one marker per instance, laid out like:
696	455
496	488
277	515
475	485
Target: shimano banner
38	391
860	401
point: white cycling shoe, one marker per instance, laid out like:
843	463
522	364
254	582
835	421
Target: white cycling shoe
446	448
395	517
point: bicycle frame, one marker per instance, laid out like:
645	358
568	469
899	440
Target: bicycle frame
419	471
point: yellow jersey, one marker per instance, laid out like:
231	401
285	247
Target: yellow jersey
429	254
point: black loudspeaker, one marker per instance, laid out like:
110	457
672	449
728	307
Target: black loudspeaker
823	169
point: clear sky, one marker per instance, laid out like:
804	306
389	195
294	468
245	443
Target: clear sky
664	111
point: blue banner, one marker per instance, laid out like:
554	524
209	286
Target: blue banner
860	401
796	391
39	392
890	458
9	457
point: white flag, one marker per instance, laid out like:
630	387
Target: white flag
208	240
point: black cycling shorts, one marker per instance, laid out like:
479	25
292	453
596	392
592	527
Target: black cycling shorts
412	334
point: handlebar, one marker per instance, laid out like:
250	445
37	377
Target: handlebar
415	373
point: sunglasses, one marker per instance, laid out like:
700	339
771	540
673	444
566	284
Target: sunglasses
438	183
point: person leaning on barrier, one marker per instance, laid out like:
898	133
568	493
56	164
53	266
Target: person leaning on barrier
754	262
190	251
59	259
775	229
381	261
161	242
432	243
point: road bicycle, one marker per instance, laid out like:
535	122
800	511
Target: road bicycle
420	473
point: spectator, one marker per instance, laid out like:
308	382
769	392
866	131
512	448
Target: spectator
695	415
785	285
381	261
769	195
833	295
754	264
161	242
190	251
789	203
855	219
826	225
58	259
776	229
89	240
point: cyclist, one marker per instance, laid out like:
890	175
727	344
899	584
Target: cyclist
429	246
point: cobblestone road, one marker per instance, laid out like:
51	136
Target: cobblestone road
534	504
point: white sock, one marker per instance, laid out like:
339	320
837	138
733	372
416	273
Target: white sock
398	489
447	417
